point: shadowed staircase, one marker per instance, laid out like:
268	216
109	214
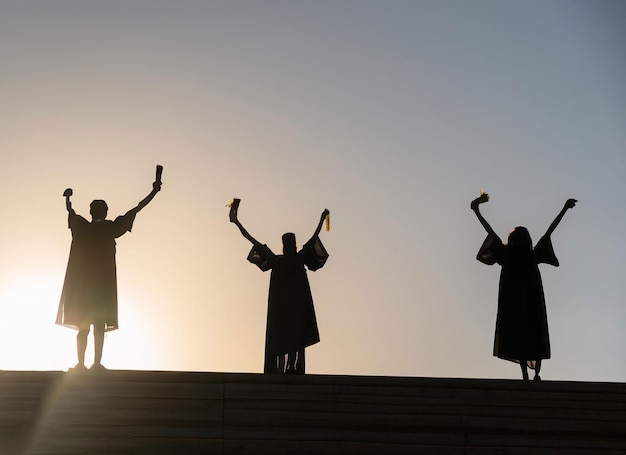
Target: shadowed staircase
153	412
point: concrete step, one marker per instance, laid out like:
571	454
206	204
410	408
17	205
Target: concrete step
157	412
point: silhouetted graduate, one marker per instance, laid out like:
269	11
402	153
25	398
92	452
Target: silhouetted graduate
291	323
89	295
521	324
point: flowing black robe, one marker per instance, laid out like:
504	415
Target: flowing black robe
291	323
90	288
521	323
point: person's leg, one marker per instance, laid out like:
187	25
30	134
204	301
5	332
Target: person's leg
81	345
98	338
524	365
299	365
537	369
291	363
280	363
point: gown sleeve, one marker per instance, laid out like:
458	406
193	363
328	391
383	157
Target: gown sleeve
124	223
544	252
490	251
261	256
313	254
76	222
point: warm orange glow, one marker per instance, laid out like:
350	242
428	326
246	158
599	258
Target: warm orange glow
29	340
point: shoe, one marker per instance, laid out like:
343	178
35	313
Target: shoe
97	368
78	368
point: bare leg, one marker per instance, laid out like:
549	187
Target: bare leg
280	368
291	363
81	345
537	370
98	338
273	363
299	367
523	364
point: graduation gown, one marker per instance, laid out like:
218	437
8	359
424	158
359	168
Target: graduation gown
521	322
90	288
291	323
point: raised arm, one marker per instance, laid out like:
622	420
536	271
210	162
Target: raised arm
318	229
484	197
156	187
234	219
570	203
68	204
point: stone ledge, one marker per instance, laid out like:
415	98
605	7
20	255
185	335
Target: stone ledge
169	412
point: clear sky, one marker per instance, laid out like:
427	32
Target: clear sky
393	115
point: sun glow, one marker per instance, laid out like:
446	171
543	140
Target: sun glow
136	345
29	339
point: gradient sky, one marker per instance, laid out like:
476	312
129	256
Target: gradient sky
392	114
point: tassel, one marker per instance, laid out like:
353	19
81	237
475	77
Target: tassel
328	222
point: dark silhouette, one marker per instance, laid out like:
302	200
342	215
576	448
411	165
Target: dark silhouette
521	324
89	295
291	323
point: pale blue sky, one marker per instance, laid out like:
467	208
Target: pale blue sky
391	114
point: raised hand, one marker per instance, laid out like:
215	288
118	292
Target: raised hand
570	203
68	204
234	206
156	186
319	225
484	197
